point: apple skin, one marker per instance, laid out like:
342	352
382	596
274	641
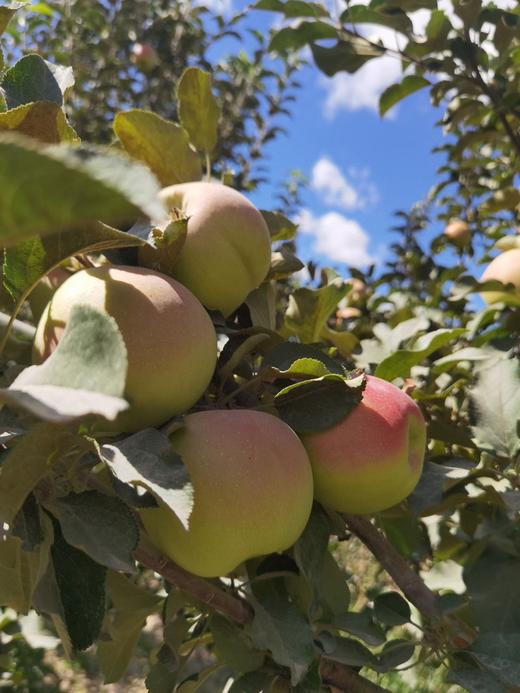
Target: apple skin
372	459
253	491
227	252
458	231
506	268
44	290
144	56
170	340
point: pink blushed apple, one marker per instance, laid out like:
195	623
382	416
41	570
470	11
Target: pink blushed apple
373	458
252	484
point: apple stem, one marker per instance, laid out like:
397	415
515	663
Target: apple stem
395	565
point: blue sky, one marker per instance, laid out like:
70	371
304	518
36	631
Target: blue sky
361	168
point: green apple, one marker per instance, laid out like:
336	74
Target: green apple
252	486
373	458
227	252
170	340
505	268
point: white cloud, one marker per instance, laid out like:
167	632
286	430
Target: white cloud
336	190
219	6
336	237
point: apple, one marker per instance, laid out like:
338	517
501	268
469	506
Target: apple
505	268
144	56
44	290
373	458
252	495
458	231
170	340
227	252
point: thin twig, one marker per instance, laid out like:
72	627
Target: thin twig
346	679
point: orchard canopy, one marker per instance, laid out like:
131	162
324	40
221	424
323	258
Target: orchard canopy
246	446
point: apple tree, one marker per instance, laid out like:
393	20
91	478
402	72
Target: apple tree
337	390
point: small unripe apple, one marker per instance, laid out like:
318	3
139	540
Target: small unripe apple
170	340
373	458
458	231
252	486
505	268
144	56
44	290
227	252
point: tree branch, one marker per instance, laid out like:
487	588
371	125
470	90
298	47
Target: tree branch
395	565
238	610
233	607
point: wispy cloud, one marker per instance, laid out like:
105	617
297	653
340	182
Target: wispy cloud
336	190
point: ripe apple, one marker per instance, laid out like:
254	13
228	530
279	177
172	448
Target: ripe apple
170	340
44	290
252	491
144	56
458	231
505	268
373	458
227	252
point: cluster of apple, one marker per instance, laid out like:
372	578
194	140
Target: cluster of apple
254	479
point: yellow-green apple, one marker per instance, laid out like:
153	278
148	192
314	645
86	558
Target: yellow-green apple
227	252
169	337
373	458
252	491
458	231
44	290
505	268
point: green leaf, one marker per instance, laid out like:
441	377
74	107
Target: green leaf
7	12
232	648
391	609
81	586
284	263
101	526
280	228
75	185
395	653
360	14
30	80
199	112
496	399
146	137
293	8
284	355
400	363
278	626
309	309
130	607
29	261
86	373
20	570
43	120
317	404
498	654
361	625
311	547
398	92
293	38
147	459
346	651
475	680
345	56
252	682
29	461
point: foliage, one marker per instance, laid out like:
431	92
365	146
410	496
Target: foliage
98	39
73	549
